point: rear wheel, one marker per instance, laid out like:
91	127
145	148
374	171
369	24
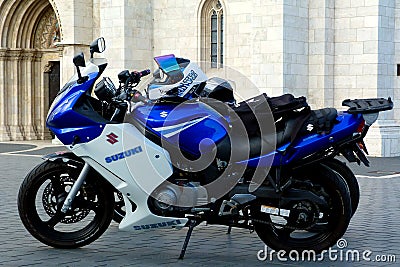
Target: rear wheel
42	195
296	230
345	173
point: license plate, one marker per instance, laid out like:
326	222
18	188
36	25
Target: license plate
275	211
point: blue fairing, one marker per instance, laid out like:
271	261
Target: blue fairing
65	122
348	124
188	124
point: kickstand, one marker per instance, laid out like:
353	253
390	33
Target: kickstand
192	224
229	230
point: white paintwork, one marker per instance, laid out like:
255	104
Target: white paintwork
135	176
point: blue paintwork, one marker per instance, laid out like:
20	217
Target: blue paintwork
66	123
309	144
211	129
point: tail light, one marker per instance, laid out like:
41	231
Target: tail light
361	127
360	130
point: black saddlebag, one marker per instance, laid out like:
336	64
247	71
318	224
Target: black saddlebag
253	112
292	117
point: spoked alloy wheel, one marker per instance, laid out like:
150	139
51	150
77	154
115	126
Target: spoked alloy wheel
296	230
42	195
345	173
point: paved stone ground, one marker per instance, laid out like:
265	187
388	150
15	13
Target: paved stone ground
375	227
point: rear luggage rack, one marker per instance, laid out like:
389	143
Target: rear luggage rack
370	105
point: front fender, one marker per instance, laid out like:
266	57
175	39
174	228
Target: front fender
63	156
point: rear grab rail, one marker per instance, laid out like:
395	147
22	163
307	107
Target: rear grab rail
369	105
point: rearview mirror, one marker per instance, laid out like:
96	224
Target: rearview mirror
123	76
97	46
79	60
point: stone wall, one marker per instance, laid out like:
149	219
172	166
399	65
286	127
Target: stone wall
327	50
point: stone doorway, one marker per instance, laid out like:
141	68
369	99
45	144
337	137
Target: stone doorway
52	82
29	33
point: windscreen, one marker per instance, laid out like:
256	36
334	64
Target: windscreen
167	63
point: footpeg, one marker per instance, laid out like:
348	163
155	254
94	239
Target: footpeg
231	207
228	208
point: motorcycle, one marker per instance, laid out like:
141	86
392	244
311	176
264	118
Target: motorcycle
185	153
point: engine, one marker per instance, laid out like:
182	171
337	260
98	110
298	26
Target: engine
171	198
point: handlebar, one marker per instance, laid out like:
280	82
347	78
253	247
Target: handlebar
131	80
132	77
136	75
144	73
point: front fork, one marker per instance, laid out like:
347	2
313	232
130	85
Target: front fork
75	188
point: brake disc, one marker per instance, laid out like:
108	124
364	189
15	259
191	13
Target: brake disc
50	201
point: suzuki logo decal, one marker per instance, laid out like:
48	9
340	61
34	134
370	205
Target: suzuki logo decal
163	114
112	138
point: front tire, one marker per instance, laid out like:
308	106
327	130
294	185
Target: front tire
42	195
335	219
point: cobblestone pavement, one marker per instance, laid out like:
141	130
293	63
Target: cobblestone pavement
374	227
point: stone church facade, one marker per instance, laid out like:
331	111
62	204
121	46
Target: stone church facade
326	50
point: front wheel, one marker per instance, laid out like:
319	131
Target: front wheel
296	229
42	195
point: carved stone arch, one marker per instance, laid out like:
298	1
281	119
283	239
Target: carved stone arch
19	21
47	30
33	16
54	5
8	12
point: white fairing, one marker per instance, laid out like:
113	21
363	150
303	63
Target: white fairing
135	166
192	75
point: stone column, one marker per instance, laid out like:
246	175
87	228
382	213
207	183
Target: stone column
78	28
280	46
28	104
4	132
14	95
384	136
295	47
266	44
365	64
321	53
127	26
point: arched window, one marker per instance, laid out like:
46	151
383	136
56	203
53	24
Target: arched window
212	20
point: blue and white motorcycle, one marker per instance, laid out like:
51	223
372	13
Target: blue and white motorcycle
185	153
